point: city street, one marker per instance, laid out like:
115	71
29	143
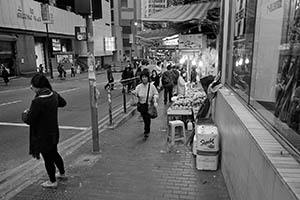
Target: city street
73	119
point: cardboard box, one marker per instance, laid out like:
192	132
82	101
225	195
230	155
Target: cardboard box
207	162
207	138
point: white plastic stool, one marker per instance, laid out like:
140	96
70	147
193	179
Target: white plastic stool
173	134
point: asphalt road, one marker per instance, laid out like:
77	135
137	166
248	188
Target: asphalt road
73	118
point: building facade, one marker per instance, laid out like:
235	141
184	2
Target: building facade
126	22
27	42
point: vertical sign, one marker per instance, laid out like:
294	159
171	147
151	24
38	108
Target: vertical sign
240	19
45	12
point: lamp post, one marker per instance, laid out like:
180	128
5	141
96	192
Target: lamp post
133	25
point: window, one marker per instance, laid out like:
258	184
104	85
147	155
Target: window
126	29
124	3
126	43
112	15
266	73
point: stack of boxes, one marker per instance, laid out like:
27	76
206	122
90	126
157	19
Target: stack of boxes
206	147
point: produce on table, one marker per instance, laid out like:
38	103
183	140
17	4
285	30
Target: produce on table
192	99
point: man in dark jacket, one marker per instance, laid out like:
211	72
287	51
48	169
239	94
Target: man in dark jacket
110	78
5	75
167	81
44	132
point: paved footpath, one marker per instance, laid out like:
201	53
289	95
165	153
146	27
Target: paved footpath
130	168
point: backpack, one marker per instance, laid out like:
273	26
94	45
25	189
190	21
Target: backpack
167	78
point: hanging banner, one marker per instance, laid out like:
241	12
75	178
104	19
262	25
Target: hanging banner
190	41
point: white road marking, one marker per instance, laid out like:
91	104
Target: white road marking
69	90
61	127
14	90
12	102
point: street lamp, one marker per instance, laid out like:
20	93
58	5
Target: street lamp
133	25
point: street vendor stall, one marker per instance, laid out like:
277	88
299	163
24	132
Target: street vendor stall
187	106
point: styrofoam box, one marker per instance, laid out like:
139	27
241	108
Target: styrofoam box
207	162
207	138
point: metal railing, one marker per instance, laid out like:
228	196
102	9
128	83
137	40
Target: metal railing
124	84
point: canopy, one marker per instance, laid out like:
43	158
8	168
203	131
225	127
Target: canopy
183	13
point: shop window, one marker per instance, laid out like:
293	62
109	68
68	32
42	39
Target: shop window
243	38
264	61
275	87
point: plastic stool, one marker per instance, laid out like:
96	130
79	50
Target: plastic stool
173	134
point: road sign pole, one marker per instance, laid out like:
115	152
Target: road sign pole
94	94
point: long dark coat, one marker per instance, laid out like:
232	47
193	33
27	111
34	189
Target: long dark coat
43	122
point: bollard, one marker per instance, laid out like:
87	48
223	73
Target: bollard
109	105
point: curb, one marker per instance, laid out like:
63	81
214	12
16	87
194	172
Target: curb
24	175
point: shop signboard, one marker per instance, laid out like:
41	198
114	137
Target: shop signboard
80	33
190	41
64	58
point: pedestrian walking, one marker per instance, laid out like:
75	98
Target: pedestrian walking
41	68
155	78
146	92
60	71
110	78
43	126
130	76
127	74
5	75
181	85
167	80
73	71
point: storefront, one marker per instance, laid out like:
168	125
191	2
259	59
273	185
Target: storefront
258	110
7	52
23	36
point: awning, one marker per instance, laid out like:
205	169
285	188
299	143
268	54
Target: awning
183	13
158	33
9	38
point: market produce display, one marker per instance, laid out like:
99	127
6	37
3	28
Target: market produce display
193	99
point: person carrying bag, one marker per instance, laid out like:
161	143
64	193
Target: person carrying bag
147	100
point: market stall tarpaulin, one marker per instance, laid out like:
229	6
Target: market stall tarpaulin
183	13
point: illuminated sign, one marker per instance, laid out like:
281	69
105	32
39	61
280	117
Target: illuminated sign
56	45
110	44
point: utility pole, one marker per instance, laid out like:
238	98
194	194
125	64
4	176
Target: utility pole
46	17
94	93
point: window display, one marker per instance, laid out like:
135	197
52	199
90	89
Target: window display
244	27
265	61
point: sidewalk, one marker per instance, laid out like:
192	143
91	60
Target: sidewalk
130	168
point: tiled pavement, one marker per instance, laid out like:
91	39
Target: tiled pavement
130	168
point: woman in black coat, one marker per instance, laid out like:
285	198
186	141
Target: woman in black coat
44	131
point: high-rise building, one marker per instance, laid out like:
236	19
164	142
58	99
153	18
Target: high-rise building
126	22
